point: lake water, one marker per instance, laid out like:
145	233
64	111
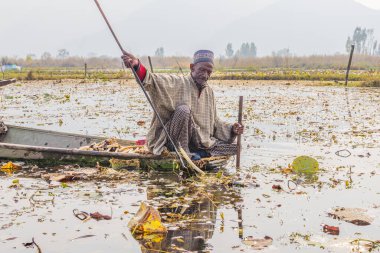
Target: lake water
282	122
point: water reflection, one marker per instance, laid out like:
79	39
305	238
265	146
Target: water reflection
190	212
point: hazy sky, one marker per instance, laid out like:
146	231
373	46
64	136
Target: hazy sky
36	26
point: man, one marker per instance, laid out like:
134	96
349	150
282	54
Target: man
187	107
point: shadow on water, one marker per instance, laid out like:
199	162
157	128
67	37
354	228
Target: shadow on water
190	212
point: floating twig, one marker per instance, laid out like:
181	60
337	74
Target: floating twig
295	183
81	215
38	247
346	153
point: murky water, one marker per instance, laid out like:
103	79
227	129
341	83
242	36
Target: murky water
282	122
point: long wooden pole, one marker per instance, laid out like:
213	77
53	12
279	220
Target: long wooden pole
143	89
349	63
179	66
150	63
240	121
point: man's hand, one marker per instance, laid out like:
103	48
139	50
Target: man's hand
130	60
238	129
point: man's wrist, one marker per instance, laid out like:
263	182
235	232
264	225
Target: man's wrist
137	66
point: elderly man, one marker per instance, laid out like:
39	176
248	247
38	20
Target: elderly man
187	106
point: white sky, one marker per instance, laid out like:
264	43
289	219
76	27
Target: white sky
375	4
36	26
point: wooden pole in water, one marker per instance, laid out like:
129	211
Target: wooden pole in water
240	223
240	121
85	70
150	63
349	63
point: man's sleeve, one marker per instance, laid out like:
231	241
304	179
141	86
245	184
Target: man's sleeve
223	131
160	84
141	71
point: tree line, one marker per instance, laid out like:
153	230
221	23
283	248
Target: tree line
247	49
364	41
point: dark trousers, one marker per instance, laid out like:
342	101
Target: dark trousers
182	130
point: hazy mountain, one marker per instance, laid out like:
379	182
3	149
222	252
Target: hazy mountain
181	26
305	26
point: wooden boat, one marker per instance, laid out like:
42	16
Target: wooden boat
49	148
6	82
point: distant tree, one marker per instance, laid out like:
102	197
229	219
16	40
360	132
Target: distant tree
348	44
160	52
364	41
253	50
229	50
46	56
4	61
374	47
370	40
247	50
63	53
285	52
244	50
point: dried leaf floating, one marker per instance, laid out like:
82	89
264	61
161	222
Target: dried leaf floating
277	187
98	216
147	221
363	245
10	168
258	244
355	216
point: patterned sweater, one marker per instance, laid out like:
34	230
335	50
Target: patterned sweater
169	91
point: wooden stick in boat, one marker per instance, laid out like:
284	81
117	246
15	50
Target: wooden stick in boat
190	163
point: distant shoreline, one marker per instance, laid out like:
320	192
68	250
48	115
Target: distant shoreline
213	82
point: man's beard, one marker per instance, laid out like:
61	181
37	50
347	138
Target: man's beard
201	82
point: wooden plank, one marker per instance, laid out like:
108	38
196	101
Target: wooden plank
47	138
66	151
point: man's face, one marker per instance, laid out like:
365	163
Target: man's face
201	72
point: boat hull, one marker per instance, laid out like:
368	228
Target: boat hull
50	148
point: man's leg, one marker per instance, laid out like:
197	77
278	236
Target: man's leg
180	127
